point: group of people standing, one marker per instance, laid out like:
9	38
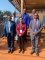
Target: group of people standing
17	26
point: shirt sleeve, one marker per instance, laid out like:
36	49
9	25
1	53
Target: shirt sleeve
40	28
28	20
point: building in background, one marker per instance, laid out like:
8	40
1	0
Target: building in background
29	5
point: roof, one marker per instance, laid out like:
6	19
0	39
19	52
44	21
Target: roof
29	4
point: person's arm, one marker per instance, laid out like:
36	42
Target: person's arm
30	25
4	31
41	26
17	29
28	21
14	29
24	30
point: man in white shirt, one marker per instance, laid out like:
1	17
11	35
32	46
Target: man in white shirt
16	20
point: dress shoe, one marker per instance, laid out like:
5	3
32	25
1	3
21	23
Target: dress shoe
20	51
37	54
9	51
32	52
12	50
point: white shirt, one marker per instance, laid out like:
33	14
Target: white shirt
9	25
36	22
15	19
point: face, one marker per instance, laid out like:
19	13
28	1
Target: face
33	11
24	10
14	14
35	16
20	20
9	18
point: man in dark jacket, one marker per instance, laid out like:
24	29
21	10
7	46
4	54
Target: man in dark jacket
9	31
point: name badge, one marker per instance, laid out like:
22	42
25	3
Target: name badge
35	30
20	31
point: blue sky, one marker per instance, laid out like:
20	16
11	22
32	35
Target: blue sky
5	5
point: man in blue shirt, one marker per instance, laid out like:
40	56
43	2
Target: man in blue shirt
26	18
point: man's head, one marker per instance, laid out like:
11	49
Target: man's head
14	14
35	16
9	18
24	10
20	19
33	11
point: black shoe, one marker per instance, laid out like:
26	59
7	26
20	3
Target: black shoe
20	51
9	51
32	52
23	51
12	51
37	54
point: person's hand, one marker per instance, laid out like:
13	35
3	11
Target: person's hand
27	27
3	35
19	34
34	33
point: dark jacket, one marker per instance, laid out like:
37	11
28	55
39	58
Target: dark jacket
12	28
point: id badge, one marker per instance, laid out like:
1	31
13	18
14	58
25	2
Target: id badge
35	30
20	31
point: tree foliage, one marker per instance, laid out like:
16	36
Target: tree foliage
3	14
7	13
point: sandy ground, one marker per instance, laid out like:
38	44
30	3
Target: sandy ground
4	55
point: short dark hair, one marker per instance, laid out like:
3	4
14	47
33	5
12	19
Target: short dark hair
14	13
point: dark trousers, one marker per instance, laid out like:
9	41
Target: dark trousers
21	42
25	36
10	40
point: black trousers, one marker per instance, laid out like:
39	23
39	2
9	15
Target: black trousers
10	40
21	42
25	36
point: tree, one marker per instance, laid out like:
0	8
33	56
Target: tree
1	15
7	13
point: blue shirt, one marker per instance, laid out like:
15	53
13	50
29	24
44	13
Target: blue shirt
26	19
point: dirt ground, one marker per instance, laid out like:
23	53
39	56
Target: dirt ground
4	55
